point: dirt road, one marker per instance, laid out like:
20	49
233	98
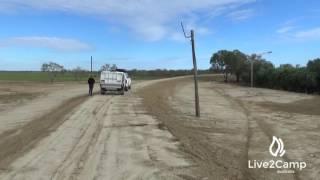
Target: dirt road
151	133
105	137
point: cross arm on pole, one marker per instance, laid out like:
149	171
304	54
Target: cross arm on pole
184	32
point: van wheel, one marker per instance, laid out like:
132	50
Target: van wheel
122	91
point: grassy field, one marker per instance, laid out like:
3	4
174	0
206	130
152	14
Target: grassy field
40	76
37	76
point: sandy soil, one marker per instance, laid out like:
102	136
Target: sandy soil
14	94
104	137
24	102
151	133
236	126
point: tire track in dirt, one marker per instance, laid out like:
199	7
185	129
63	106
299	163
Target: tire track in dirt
266	128
15	143
240	104
209	156
107	137
78	155
136	148
38	157
155	100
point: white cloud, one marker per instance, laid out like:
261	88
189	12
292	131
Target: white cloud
292	30
54	43
240	15
310	34
285	29
288	26
151	19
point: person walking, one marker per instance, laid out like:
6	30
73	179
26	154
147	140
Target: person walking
91	82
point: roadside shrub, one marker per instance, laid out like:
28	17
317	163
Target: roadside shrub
286	77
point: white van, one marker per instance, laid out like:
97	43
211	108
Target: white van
128	82
112	81
127	79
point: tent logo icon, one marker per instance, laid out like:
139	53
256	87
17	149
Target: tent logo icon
280	147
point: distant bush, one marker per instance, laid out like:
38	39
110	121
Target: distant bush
286	77
314	67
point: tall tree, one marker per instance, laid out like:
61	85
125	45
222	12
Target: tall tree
53	69
105	67
108	67
314	66
113	67
238	63
231	62
220	60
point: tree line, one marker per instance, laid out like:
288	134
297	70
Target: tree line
54	69
79	74
285	77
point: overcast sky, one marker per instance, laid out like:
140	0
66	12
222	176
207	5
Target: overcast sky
146	34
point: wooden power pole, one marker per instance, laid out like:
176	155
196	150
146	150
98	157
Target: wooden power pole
195	71
91	65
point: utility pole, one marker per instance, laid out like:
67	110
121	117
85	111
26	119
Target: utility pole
252	72
195	71
91	65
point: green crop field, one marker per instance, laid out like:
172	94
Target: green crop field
41	76
38	76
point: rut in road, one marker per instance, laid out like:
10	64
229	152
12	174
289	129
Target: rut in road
73	163
106	137
16	142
